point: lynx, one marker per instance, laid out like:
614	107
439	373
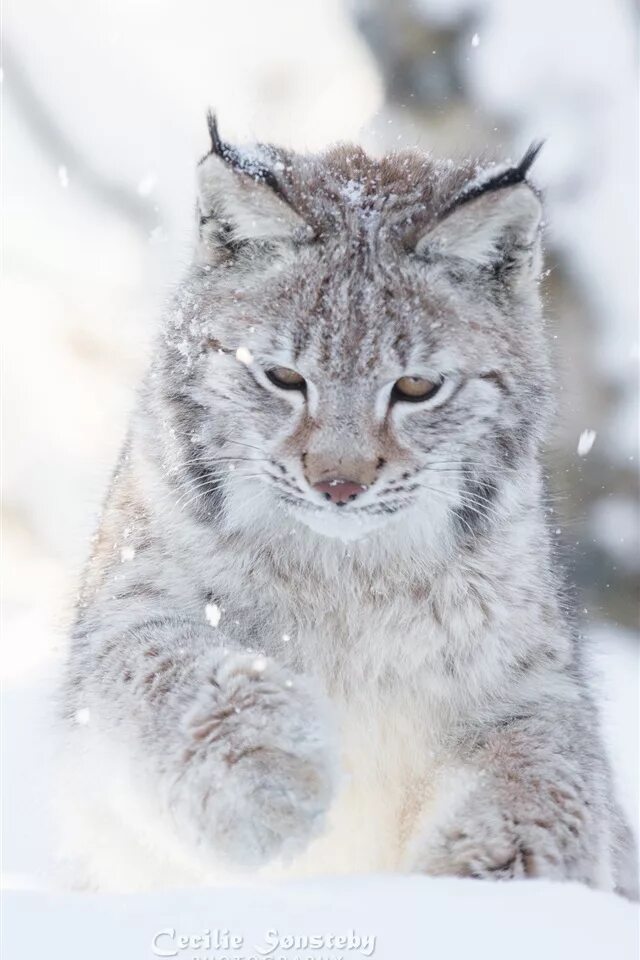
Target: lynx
322	627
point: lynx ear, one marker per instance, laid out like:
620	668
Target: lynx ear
241	197
493	222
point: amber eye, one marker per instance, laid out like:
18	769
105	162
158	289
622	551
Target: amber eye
414	389
286	379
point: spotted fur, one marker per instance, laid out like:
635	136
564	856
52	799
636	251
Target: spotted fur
388	683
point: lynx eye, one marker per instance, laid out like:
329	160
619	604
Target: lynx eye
286	379
414	389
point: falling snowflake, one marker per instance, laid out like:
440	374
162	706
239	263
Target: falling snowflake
244	355
213	613
260	664
586	441
83	716
147	185
475	40
63	176
127	553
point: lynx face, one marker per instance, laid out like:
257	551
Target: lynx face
359	341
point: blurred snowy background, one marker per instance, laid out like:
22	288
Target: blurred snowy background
104	109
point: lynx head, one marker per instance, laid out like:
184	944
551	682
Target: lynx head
358	343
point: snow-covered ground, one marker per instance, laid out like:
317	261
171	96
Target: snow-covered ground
411	917
387	918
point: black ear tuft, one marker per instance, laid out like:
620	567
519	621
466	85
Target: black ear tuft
505	178
217	146
245	163
530	156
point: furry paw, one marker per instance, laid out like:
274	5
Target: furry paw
460	853
258	768
487	837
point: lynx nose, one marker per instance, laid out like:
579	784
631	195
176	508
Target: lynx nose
339	491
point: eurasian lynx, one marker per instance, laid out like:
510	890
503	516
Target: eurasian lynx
321	623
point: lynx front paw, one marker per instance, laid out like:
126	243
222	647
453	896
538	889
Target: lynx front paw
258	765
464	851
489	839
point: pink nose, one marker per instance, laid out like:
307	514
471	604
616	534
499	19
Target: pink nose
339	491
